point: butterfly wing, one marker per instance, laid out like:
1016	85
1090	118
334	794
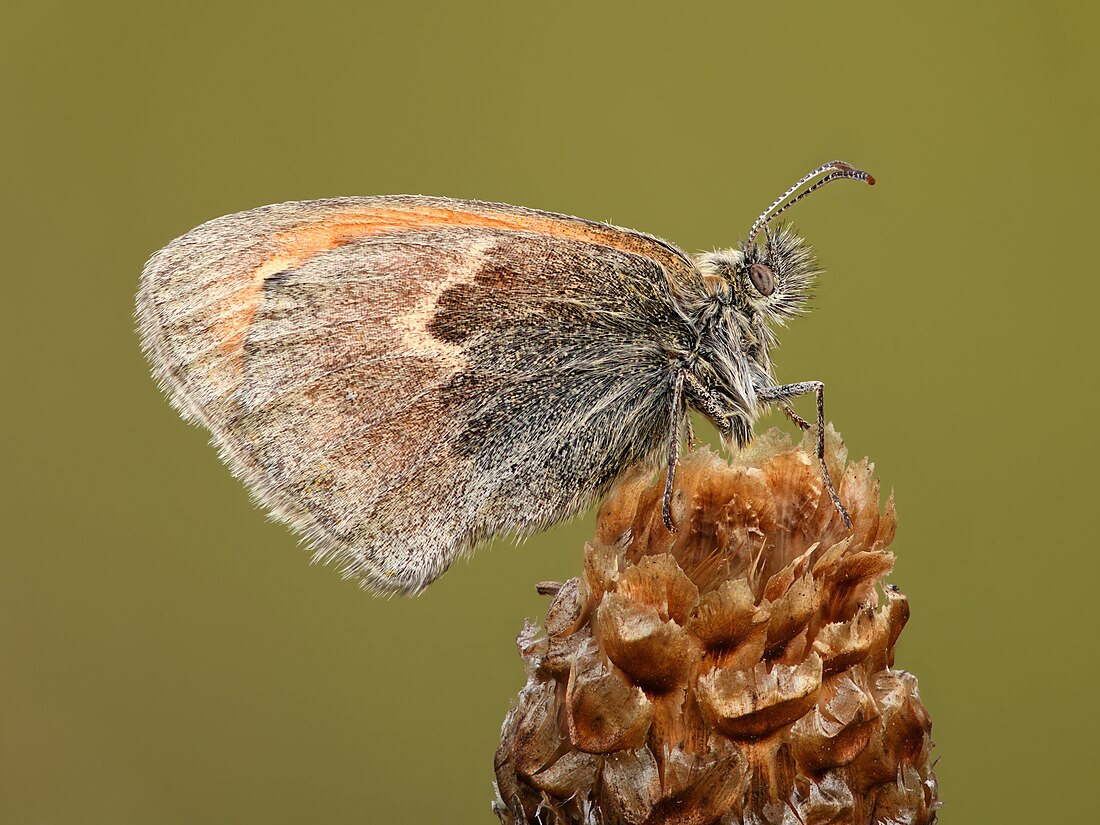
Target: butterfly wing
400	378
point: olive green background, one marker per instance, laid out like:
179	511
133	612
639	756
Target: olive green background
169	656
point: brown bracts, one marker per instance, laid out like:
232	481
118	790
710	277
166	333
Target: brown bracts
737	671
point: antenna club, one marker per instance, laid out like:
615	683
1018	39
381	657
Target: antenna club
870	180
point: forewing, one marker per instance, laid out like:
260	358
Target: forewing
400	378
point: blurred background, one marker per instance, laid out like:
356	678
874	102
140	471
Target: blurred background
169	656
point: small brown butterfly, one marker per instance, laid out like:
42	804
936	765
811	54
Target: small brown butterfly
401	378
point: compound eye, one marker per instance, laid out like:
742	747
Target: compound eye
762	278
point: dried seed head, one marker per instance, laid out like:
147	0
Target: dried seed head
738	670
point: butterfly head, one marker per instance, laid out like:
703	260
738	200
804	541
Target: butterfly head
770	274
771	279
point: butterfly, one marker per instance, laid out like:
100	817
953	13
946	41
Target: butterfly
402	378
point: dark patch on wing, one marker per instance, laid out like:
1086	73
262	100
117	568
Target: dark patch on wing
492	298
451	323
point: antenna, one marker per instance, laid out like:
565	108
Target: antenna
836	169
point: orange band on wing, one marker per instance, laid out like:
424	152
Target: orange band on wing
295	247
344	228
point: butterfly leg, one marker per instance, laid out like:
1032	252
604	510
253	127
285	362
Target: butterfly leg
709	405
780	395
676	410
